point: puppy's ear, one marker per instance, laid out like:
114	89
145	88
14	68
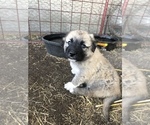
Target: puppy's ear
93	47
93	44
92	37
64	39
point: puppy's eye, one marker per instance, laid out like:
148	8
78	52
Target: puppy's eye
70	41
83	45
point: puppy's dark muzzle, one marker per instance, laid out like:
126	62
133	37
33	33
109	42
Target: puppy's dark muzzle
74	51
72	54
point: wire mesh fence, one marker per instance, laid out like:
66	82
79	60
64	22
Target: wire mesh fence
63	16
34	18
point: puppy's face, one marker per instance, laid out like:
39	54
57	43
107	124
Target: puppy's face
79	45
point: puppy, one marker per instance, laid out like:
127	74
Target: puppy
94	75
133	87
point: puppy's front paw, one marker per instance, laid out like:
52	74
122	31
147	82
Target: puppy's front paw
73	72
70	87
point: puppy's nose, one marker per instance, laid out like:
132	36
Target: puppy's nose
72	54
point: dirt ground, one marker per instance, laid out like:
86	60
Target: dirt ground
34	93
51	104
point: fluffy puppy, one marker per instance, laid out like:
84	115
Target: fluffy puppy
94	75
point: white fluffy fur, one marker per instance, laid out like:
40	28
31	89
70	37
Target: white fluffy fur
75	70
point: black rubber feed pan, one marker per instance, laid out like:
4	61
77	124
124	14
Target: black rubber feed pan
54	43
